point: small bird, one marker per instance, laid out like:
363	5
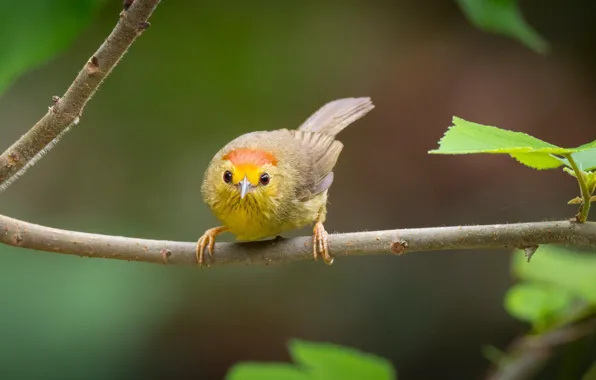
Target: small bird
264	183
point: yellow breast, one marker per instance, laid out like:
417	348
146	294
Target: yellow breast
250	218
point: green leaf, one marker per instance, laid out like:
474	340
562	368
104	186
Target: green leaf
538	303
466	137
317	361
538	161
570	270
273	371
31	32
329	361
586	160
503	17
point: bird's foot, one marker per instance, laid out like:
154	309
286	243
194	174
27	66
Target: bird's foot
207	241
320	243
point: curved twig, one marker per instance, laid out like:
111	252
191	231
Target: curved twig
66	110
28	235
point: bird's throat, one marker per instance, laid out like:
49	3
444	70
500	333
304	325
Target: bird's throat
249	218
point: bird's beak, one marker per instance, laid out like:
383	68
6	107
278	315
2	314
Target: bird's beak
244	185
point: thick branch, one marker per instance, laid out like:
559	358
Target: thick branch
67	110
27	235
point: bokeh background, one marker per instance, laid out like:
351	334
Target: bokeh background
206	72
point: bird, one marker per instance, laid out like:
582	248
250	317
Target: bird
265	183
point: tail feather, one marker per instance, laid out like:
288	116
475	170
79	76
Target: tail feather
334	116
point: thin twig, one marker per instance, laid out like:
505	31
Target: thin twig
584	209
27	235
529	354
66	111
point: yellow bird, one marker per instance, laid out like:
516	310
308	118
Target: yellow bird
264	183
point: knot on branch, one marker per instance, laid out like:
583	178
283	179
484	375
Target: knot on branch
399	247
165	255
93	65
13	158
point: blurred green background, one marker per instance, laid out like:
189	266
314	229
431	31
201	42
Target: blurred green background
206	72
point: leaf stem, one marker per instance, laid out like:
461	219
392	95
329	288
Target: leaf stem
584	209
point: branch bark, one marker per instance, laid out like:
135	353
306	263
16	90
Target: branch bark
67	110
28	235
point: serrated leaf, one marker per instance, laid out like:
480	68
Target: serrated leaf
503	17
568	269
33	31
539	303
588	145
272	371
330	361
538	161
466	137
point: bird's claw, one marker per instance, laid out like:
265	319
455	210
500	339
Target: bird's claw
320	243
206	241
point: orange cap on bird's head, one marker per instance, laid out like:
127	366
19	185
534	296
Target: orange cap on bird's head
248	168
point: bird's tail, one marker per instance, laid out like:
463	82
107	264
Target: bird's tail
334	116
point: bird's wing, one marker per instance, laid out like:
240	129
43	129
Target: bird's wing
334	116
321	151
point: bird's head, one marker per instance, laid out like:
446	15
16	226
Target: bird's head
247	172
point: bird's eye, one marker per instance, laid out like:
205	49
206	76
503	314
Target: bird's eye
227	176
264	179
